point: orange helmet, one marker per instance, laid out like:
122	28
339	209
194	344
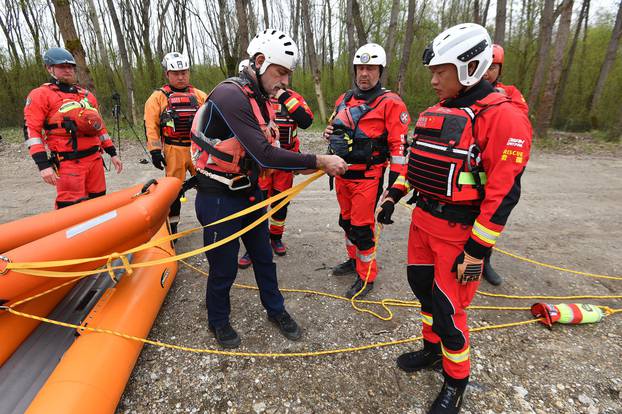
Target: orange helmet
497	54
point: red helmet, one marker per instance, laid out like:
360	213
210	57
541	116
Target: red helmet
497	54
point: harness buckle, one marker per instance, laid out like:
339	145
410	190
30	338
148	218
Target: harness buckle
232	183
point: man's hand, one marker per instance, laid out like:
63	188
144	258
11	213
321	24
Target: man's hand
331	164
468	268
328	132
157	159
49	175
385	211
118	165
278	93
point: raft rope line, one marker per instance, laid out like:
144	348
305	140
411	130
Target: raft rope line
375	345
33	268
286	196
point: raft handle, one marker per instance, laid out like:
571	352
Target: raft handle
3	268
145	189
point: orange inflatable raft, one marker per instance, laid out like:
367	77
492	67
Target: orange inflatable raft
134	216
60	370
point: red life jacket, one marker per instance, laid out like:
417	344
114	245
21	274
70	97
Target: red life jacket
228	156
73	123
288	129
444	161
176	119
362	149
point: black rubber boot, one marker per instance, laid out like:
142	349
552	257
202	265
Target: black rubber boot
287	325
449	400
490	274
226	336
346	268
357	286
428	357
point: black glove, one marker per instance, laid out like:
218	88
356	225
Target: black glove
386	211
157	159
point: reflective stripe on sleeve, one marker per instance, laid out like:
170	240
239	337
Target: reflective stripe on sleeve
33	141
485	234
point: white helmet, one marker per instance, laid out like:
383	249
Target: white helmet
461	45
243	65
175	61
370	54
277	47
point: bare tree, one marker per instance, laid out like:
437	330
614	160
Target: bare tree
266	20
390	44
409	36
128	78
610	57
101	45
64	19
545	109
358	23
561	90
241	10
313	59
544	47
30	17
500	22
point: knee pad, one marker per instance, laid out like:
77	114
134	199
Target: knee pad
345	224
362	237
420	278
444	326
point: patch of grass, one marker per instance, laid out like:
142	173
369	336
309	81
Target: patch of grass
12	134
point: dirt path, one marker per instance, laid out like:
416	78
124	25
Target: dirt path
569	215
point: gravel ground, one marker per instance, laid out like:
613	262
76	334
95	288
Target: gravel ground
568	215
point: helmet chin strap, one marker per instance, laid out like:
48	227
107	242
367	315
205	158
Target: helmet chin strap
258	76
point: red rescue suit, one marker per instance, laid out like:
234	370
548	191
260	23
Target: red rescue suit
65	120
376	119
514	94
291	112
466	162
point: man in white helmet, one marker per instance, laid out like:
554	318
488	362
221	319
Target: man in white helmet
169	113
233	139
292	112
368	129
465	165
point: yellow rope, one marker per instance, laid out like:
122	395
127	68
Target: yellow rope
249	354
525	259
33	266
268	214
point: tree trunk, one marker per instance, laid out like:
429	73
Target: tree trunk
31	20
500	22
390	45
561	90
409	36
128	77
545	110
145	17
476	12
610	58
544	47
312	57
101	45
350	31
240	6
266	20
64	19
358	23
